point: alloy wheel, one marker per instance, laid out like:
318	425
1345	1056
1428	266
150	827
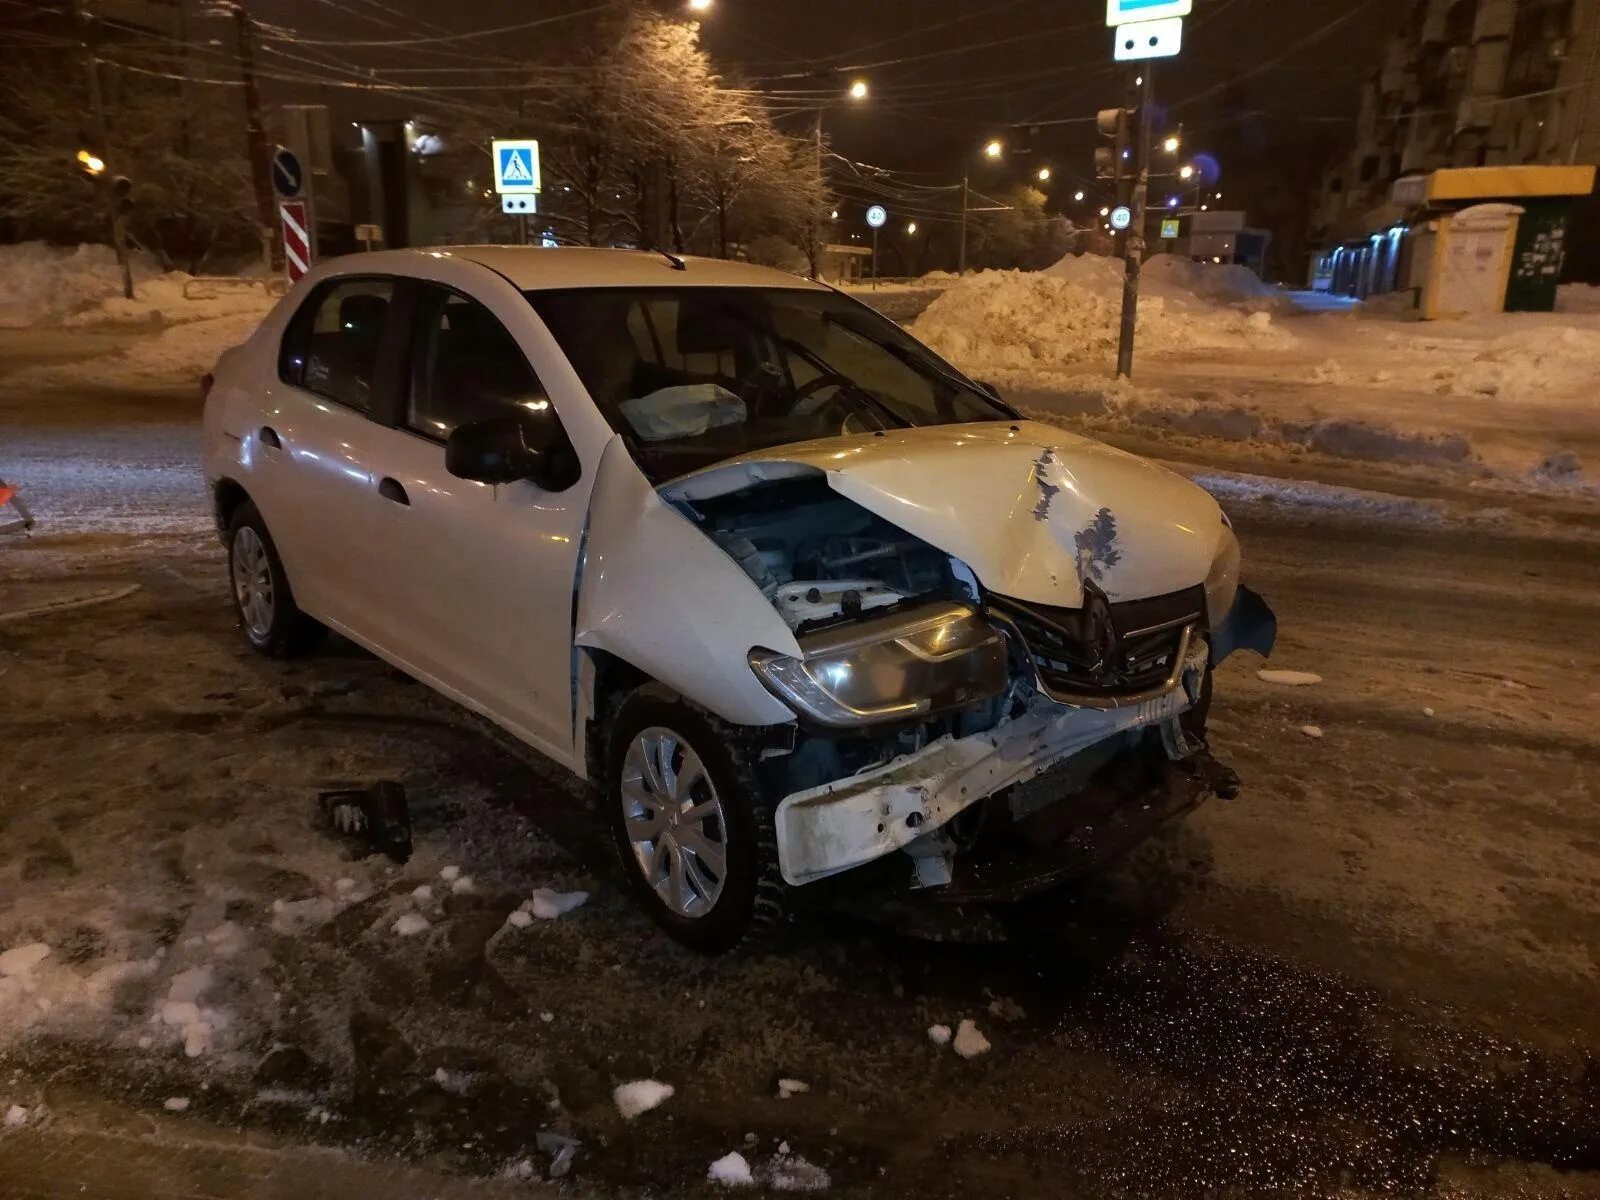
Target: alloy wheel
252	582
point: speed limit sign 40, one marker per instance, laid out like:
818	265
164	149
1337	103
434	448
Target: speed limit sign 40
877	216
1121	217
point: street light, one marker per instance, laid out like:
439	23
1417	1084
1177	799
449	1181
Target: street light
1078	196
1172	202
994	149
91	163
1171	144
1044	174
834	215
911	228
1186	171
859	89
1105	212
700	5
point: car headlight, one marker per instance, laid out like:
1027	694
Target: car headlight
1222	581
893	668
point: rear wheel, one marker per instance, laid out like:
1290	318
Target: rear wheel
273	624
691	826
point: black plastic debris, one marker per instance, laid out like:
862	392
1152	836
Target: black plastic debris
561	1149
375	820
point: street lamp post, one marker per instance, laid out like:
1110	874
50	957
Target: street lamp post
993	148
857	91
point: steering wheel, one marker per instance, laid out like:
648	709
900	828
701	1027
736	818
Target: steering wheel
806	390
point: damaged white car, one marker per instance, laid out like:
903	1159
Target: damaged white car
800	600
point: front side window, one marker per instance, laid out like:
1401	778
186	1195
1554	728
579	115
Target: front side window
332	344
468	367
692	376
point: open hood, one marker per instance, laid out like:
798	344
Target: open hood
1035	511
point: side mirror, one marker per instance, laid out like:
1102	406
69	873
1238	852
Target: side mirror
512	448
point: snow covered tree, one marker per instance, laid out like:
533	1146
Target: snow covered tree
188	195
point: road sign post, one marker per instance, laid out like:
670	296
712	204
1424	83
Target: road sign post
294	216
1135	260
877	218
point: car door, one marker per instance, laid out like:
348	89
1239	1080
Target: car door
313	479
478	579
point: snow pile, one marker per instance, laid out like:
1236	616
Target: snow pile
547	905
176	298
175	357
1017	321
1526	364
731	1170
1578	298
1220	283
969	1043
40	284
640	1096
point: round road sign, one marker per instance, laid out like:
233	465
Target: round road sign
1121	217
287	177
877	216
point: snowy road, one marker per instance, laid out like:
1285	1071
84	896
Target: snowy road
1372	974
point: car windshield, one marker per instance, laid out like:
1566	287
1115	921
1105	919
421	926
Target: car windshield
693	376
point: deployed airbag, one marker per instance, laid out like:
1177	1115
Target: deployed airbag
686	410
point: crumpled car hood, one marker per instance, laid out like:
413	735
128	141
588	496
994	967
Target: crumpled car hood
1035	511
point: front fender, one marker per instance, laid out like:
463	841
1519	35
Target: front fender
660	595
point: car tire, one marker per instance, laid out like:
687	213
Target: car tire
262	600
695	836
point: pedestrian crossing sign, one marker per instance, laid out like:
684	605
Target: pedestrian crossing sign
516	167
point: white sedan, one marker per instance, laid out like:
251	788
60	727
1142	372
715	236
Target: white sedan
802	601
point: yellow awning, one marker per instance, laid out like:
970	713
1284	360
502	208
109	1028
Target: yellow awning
1486	183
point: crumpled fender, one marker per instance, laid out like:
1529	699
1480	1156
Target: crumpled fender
1250	625
657	593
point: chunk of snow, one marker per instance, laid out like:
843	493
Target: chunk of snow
16	1116
791	1173
1427	712
969	1043
1289	678
640	1096
731	1170
179	1012
792	1087
21	960
449	874
462	883
1311	731
547	1017
519	919
189	985
344	884
422	894
176	1104
411	923
547	905
939	1035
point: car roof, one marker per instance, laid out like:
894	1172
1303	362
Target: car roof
545	267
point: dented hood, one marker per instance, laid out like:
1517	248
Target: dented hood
1034	510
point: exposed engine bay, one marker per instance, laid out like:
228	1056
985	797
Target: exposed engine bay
820	558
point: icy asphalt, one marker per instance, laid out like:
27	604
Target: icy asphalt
1373	974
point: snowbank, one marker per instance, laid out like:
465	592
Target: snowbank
175	298
1578	298
41	284
1010	321
175	357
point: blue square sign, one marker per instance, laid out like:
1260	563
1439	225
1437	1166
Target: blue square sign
516	167
1123	12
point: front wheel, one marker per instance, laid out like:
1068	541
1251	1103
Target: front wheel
691	826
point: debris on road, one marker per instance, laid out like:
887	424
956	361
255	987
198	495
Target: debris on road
640	1096
939	1035
969	1043
788	1172
376	819
731	1170
16	1117
518	919
1311	731
176	1104
792	1087
563	1151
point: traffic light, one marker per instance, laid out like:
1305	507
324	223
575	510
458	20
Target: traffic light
1115	124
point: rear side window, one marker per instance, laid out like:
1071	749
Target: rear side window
468	367
332	344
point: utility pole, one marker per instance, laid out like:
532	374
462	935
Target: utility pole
112	202
961	261
815	257
256	141
1136	230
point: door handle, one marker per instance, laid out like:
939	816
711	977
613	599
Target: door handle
269	437
390	489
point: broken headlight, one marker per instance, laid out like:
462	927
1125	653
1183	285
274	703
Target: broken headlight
1222	581
891	668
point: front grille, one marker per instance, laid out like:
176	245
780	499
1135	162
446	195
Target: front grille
1102	648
